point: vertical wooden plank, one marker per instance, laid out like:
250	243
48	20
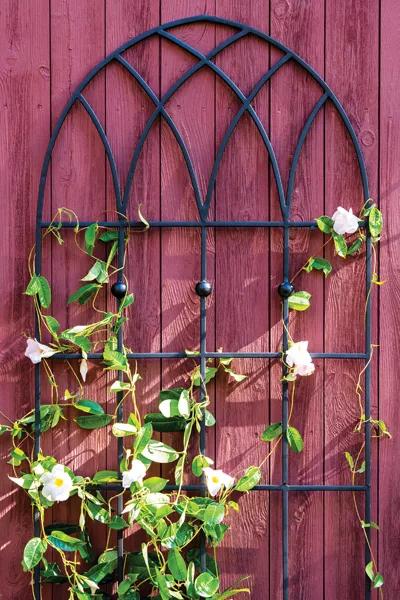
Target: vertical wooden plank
127	112
24	118
389	317
77	182
193	114
301	27
242	294
352	71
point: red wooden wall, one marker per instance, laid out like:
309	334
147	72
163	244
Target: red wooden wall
46	47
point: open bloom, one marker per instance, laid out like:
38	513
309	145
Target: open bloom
135	474
36	351
57	484
300	359
344	221
216	480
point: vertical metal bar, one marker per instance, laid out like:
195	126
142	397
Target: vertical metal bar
367	408
120	409
285	415
203	364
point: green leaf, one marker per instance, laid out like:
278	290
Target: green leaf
40	286
210	374
272	432
299	301
84	293
33	286
33	553
123	429
199	463
89	406
177	565
325	224
378	581
90	237
126	584
350	460
117	523
250	479
294	439
184	404
375	222
214	513
340	245
93	421
143	438
369	569
319	264
163	424
158	452
44	291
65	542
106	477
209	419
236	376
127	301
52	574
206	585
155	484
52	324
114	359
355	247
169	408
98	272
109	236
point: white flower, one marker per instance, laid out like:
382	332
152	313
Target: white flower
83	369
299	357
57	484
217	479
135	473
36	351
344	221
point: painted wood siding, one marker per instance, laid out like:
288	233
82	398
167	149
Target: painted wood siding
46	47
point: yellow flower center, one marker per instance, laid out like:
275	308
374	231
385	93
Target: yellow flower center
58	481
215	479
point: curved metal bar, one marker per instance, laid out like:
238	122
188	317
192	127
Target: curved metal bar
221	149
243	30
232	85
302	137
160	110
110	156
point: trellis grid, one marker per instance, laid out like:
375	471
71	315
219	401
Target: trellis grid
203	224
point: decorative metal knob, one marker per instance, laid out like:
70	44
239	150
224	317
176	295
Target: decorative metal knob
203	288
118	289
286	289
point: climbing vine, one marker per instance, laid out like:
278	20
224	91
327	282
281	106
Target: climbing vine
175	524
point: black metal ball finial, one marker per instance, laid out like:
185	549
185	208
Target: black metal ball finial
203	288
286	289
118	289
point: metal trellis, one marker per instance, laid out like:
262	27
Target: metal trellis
203	224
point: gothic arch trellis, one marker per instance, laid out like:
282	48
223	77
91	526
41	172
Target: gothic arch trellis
203	206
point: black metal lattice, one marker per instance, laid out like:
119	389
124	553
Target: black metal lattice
203	206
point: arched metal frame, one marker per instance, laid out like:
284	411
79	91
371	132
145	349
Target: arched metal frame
203	206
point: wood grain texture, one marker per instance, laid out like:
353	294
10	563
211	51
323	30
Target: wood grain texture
25	128
353	75
389	316
193	114
46	49
127	112
242	295
77	182
301	27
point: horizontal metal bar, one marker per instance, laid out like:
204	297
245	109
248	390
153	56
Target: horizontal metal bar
266	355
183	224
258	488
